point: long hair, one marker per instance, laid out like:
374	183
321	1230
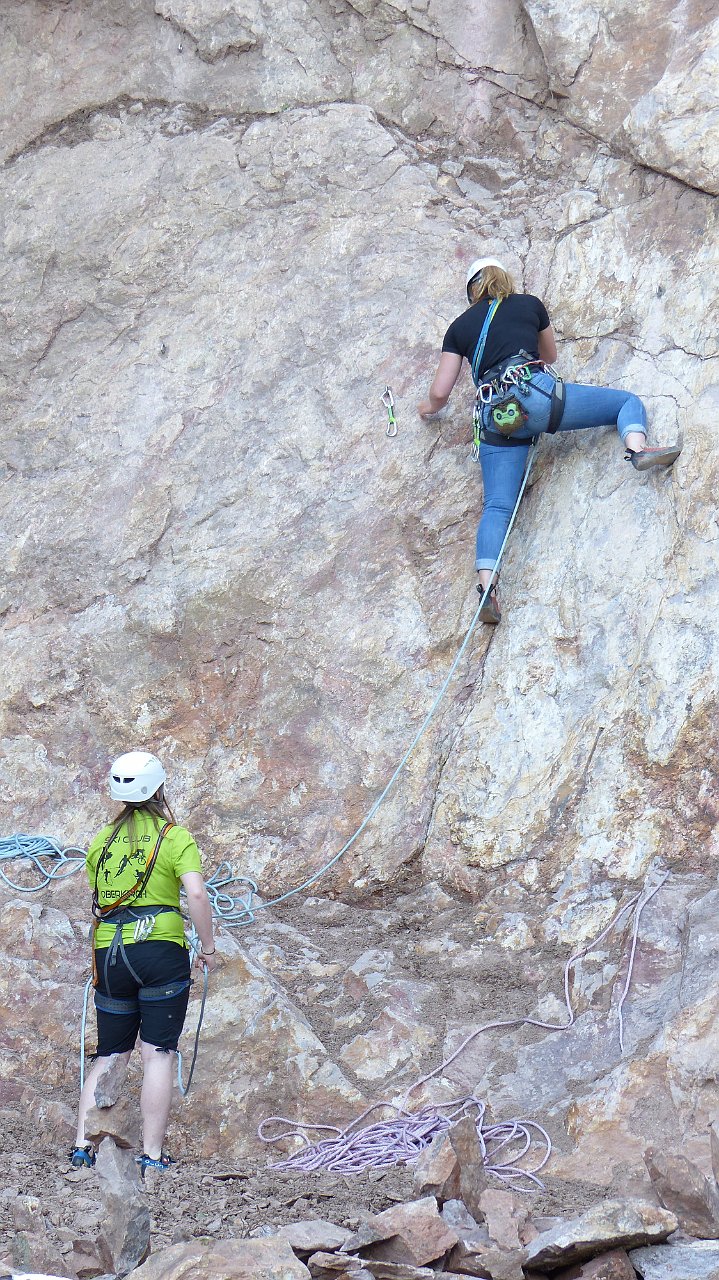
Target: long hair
157	806
494	282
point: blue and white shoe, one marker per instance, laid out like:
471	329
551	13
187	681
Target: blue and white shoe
82	1157
146	1162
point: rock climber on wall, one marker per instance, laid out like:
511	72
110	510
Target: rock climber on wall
141	964
508	340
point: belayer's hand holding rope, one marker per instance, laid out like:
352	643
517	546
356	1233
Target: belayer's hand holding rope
205	960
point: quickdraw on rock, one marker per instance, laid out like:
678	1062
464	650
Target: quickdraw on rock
388	402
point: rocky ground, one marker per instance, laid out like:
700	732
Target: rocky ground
365	980
194	1198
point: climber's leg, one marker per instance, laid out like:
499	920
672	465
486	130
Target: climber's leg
502	470
605	407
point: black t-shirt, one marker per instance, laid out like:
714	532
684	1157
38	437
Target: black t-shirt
516	324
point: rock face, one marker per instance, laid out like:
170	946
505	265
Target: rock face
226	228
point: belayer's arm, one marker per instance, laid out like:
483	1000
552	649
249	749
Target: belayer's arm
444	380
547	345
198	905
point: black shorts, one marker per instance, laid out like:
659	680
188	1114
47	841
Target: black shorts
158	1020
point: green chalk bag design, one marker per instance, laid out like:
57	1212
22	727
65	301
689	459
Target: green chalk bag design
508	416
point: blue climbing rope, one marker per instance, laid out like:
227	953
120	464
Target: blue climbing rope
306	884
37	849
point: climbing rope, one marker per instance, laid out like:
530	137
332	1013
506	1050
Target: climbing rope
306	884
403	1138
36	850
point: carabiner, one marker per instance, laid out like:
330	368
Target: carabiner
388	402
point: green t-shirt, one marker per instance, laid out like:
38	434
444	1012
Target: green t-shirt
116	869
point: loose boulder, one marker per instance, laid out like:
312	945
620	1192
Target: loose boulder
268	1258
611	1225
683	1189
413	1233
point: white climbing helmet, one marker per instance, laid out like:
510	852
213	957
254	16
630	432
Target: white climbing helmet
135	776
478	266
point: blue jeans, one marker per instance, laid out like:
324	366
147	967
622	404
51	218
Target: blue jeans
503	465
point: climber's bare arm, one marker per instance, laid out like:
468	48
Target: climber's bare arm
547	345
441	389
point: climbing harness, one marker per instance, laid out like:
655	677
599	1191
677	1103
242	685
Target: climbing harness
122	912
230	900
403	1138
556	412
388	402
150	993
502	391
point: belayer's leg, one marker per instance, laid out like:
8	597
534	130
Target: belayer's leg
158	1068
502	471
160	1030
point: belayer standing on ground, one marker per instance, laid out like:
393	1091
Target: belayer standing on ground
508	340
141	961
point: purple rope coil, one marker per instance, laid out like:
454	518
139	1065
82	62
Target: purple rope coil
402	1139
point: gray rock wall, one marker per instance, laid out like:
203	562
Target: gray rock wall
226	226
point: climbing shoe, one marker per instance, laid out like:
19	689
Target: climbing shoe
644	459
490	611
82	1157
146	1162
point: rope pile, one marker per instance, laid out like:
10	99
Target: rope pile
36	850
403	1138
